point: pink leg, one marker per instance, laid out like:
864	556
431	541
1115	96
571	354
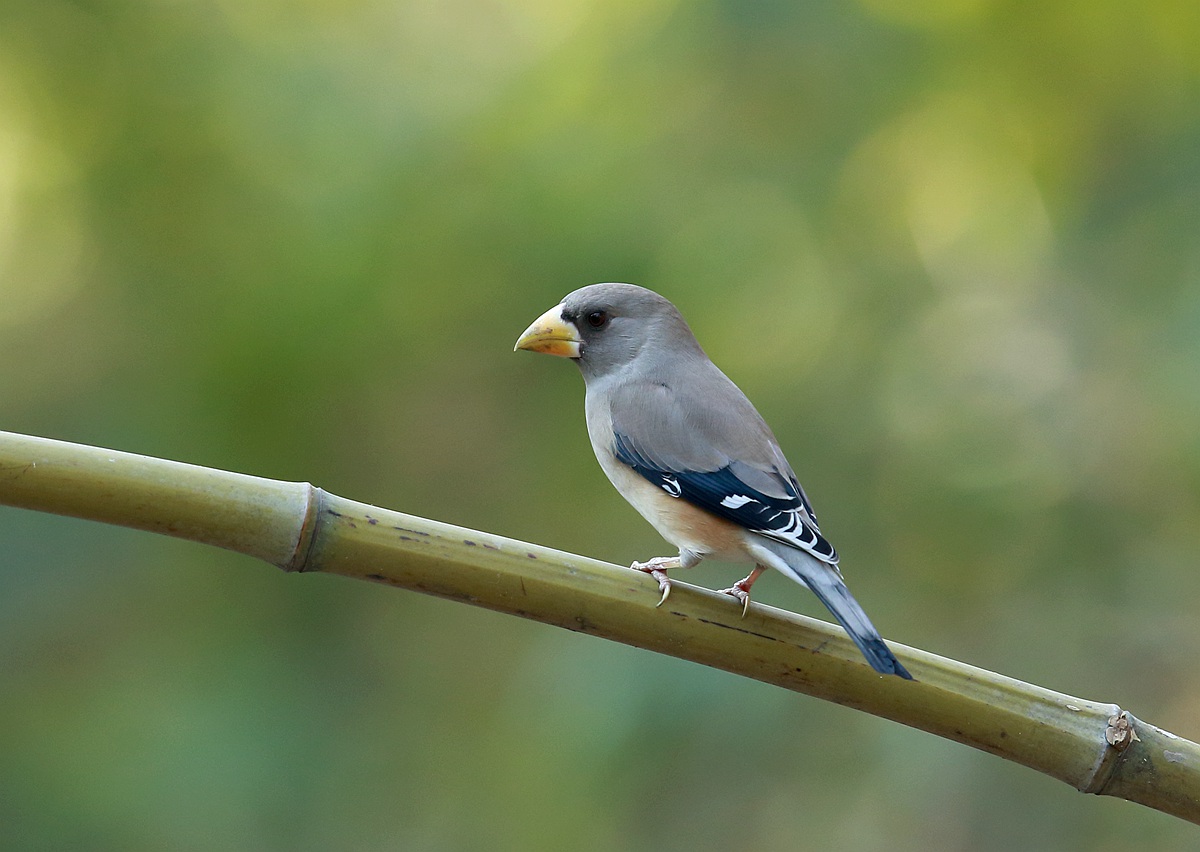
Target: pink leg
741	589
657	568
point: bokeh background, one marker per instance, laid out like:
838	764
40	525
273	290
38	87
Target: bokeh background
949	247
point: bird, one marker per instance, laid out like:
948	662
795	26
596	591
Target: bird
689	451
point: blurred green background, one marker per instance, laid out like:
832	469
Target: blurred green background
949	247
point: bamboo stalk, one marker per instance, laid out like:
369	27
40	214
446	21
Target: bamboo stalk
1095	747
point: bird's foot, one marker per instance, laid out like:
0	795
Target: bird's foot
657	568
741	594
741	589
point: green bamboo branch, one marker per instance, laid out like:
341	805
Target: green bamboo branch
1095	747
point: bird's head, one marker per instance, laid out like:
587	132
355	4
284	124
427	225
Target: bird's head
604	327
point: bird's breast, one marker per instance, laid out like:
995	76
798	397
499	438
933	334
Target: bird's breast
678	521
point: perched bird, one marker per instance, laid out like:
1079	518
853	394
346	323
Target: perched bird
686	448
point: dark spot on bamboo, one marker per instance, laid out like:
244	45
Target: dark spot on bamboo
372	521
469	543
414	532
734	627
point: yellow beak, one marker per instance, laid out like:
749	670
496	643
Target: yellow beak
551	335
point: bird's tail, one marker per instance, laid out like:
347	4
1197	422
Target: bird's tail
826	583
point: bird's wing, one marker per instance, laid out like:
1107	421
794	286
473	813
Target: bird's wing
708	445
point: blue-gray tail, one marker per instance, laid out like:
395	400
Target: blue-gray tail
826	583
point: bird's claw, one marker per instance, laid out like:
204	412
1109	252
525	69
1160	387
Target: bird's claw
736	591
656	569
741	589
664	583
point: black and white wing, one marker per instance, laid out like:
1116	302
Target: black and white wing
784	515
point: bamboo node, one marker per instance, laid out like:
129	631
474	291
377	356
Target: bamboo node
1120	733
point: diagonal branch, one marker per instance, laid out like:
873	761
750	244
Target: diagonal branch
1094	747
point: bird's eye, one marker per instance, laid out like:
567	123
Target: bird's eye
597	319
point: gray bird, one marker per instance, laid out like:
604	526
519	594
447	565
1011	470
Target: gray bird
686	448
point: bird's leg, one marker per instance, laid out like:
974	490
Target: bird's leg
741	589
657	568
